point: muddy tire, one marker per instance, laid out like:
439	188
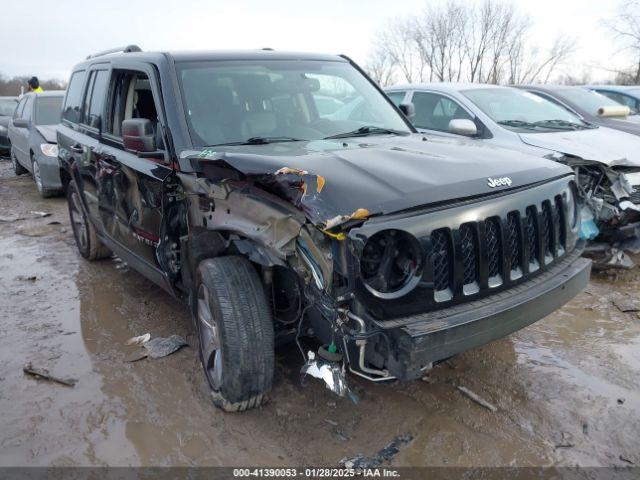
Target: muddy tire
44	192
87	241
235	332
17	168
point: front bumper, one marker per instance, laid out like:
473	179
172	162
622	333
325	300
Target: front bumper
49	172
425	339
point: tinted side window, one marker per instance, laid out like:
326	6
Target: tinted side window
622	99
71	110
435	111
396	97
130	97
19	108
95	101
27	113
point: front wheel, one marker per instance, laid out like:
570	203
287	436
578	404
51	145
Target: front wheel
87	241
235	332
44	192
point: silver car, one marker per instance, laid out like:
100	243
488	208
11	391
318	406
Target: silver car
606	161
32	131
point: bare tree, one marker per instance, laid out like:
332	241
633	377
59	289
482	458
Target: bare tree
380	67
455	41
11	86
626	28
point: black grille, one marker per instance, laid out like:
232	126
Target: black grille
441	259
479	252
468	245
4	142
492	234
547	228
635	196
514	239
532	235
558	226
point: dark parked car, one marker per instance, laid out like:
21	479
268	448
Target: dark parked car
32	132
628	95
591	106
7	106
214	175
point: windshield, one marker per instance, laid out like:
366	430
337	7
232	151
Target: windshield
7	106
48	110
588	100
519	110
281	100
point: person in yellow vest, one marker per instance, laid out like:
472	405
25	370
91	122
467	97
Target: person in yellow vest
34	85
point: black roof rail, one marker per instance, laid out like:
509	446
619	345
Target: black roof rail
127	49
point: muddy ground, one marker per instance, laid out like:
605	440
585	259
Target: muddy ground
566	389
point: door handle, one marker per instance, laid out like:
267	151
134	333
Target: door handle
76	148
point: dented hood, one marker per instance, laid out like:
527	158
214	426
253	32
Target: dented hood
602	144
382	174
48	132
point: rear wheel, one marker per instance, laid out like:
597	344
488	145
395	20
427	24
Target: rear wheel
87	241
17	168
235	332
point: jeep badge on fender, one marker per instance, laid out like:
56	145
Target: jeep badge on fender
499	182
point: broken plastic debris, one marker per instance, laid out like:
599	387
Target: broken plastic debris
333	374
289	170
161	347
627	205
360	462
359	214
39	214
139	340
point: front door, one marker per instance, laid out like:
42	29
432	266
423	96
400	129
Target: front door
130	188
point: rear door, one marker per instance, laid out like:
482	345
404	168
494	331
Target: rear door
12	130
70	137
20	136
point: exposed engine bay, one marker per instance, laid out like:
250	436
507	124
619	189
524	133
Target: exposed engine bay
611	212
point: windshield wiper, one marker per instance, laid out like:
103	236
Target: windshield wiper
561	124
366	130
518	124
260	141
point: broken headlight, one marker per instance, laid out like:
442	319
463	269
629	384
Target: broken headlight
570	200
391	263
49	149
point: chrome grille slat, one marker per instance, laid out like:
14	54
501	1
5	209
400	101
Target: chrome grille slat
514	241
440	258
469	258
494	250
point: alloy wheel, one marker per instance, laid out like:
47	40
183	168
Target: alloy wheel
209	336
36	176
78	221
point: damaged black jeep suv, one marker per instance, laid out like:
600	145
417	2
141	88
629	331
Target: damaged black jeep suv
283	196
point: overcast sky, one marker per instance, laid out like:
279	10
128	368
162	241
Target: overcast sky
46	38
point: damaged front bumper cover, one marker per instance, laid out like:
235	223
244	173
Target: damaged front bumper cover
433	337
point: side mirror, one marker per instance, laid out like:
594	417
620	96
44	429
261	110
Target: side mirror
21	123
138	135
409	110
463	126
